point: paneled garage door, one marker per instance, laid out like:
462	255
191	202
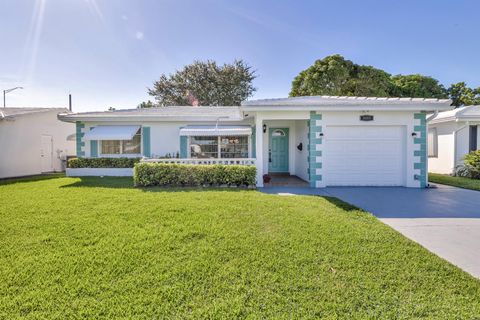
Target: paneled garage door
364	156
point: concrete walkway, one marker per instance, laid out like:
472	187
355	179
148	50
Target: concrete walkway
443	219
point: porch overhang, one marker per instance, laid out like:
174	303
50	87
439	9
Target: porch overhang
216	131
112	133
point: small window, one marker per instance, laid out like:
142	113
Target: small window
278	133
432	143
473	138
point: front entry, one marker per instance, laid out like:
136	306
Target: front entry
278	150
46	153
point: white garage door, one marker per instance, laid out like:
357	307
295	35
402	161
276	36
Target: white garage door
364	156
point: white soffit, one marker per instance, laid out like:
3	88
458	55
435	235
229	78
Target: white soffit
112	133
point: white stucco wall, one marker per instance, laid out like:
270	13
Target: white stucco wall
301	157
453	145
404	119
164	136
444	162
20	143
462	141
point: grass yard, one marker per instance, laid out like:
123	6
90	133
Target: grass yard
460	182
98	248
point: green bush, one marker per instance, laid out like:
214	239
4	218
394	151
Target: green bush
102	162
169	174
472	164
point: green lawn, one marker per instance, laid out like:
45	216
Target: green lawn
98	248
460	182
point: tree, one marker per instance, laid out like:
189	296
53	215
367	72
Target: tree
336	76
418	86
205	83
146	104
462	95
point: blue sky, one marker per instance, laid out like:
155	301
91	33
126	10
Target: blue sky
107	52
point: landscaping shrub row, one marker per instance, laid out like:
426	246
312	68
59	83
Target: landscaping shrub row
102	162
169	174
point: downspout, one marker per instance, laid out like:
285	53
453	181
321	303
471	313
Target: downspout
432	116
427	120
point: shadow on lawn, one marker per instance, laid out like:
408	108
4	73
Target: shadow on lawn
33	178
127	183
342	204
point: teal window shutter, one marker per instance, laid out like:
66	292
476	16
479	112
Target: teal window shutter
254	143
94	148
146	141
183	146
79	139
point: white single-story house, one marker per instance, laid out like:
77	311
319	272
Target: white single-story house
451	135
324	140
34	141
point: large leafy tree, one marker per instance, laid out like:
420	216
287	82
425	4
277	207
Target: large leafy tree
417	85
334	75
205	83
462	95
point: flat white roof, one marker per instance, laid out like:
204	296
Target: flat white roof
344	100
16	112
235	113
468	113
181	113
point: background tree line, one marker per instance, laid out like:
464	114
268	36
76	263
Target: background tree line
336	76
209	84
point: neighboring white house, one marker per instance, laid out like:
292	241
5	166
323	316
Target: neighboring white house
33	141
451	135
325	140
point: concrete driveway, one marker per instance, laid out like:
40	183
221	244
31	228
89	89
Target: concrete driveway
443	219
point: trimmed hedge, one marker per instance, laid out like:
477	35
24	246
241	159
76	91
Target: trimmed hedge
102	162
170	174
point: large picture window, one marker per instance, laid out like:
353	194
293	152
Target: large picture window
226	147
122	146
234	147
204	147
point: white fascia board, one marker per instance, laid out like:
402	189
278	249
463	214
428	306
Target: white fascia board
74	118
373	107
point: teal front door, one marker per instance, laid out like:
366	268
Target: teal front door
278	150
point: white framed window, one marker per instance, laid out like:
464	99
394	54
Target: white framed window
432	143
219	147
122	147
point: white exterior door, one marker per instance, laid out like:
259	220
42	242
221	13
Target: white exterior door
364	156
46	153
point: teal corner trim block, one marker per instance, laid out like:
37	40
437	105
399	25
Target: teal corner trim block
80	143
94	148
421	140
183	146
313	141
146	142
254	142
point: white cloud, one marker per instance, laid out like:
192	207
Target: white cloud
139	35
124	17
